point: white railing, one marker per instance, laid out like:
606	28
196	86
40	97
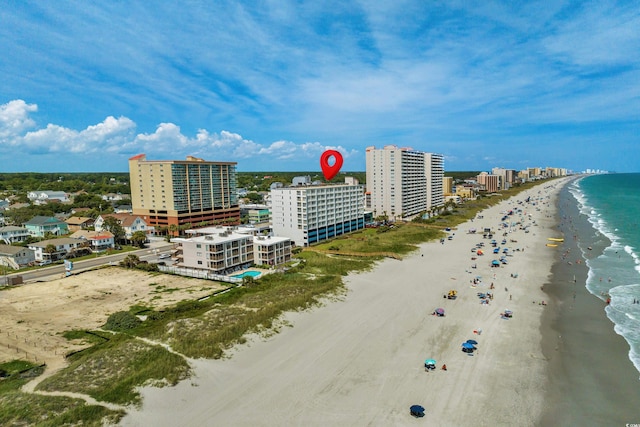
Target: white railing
197	273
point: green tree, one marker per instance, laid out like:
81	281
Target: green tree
112	225
139	238
130	261
254	197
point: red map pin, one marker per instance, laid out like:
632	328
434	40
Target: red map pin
328	170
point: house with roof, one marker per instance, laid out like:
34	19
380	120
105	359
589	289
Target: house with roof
130	223
42	197
123	209
63	247
39	226
99	241
11	233
76	223
115	197
16	256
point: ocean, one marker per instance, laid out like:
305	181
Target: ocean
611	202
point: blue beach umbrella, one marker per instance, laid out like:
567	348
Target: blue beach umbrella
416	411
467	345
474	342
430	362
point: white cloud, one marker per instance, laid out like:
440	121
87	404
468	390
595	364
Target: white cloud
117	137
105	136
600	34
14	120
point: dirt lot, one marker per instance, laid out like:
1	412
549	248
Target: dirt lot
33	316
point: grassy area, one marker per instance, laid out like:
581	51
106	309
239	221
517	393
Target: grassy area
111	370
27	409
19	409
116	364
398	239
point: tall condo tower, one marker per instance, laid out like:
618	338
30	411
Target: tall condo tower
180	192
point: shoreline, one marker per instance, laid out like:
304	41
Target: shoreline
591	380
359	360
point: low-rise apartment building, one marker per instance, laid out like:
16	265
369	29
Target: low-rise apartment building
271	250
223	250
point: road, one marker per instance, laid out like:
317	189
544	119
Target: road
149	253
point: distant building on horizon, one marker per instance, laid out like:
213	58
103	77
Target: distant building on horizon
402	182
179	192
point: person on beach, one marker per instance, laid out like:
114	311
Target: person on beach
444	367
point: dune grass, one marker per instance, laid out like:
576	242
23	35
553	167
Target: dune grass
111	371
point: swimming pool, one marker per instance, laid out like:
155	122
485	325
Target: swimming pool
250	273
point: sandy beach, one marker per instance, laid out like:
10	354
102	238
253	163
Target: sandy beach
360	360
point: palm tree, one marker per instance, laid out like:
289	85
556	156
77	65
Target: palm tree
50	249
139	238
173	229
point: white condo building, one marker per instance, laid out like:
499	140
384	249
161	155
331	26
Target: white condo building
402	182
434	164
311	214
222	250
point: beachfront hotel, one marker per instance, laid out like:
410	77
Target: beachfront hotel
402	182
176	192
491	183
310	214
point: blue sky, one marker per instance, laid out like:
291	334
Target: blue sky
272	84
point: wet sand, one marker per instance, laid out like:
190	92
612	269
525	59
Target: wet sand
591	380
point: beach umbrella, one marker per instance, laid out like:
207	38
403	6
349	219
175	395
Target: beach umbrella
495	262
416	411
467	345
430	362
474	342
440	311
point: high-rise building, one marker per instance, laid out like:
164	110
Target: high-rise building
310	214
490	182
447	185
178	192
434	164
402	182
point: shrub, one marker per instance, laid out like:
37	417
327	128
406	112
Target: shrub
122	321
147	267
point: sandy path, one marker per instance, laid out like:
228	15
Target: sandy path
359	361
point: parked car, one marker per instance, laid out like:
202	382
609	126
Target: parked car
164	256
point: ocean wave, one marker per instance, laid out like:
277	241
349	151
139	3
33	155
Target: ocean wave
625	314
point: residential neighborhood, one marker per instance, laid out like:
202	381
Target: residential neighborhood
218	227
